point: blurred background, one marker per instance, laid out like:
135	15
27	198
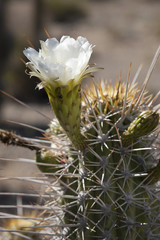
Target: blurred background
123	32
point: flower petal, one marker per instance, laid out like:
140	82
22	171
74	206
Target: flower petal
60	61
32	55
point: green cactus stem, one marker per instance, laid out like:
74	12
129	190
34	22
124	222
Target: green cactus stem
105	192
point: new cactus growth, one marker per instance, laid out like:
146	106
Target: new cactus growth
103	159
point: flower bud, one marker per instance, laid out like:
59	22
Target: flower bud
144	124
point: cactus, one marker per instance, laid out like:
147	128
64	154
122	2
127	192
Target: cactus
105	185
106	188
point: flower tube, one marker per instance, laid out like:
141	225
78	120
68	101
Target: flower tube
61	66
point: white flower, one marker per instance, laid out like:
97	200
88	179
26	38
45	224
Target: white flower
58	62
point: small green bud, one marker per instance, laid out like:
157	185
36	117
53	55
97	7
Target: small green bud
144	124
48	162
